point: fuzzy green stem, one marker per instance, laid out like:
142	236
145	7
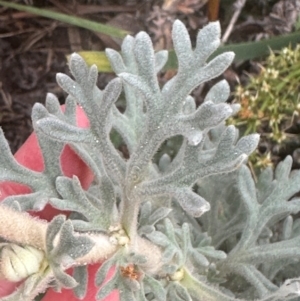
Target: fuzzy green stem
129	221
22	228
202	291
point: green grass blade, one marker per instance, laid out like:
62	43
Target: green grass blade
243	51
80	22
252	50
98	58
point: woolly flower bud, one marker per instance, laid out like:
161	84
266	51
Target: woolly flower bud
17	263
177	276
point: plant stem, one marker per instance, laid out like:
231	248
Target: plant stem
22	228
202	291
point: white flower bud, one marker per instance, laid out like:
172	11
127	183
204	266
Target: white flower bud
177	276
17	263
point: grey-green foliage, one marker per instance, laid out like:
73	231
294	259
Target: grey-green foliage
254	224
222	236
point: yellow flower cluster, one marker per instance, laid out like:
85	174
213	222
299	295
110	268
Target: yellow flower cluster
270	102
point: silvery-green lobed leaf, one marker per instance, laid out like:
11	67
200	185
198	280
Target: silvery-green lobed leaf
108	287
103	270
161	57
148	218
81	277
219	92
156	288
208	40
62	252
216	233
61	131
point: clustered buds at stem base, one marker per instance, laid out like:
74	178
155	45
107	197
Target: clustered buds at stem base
17	263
